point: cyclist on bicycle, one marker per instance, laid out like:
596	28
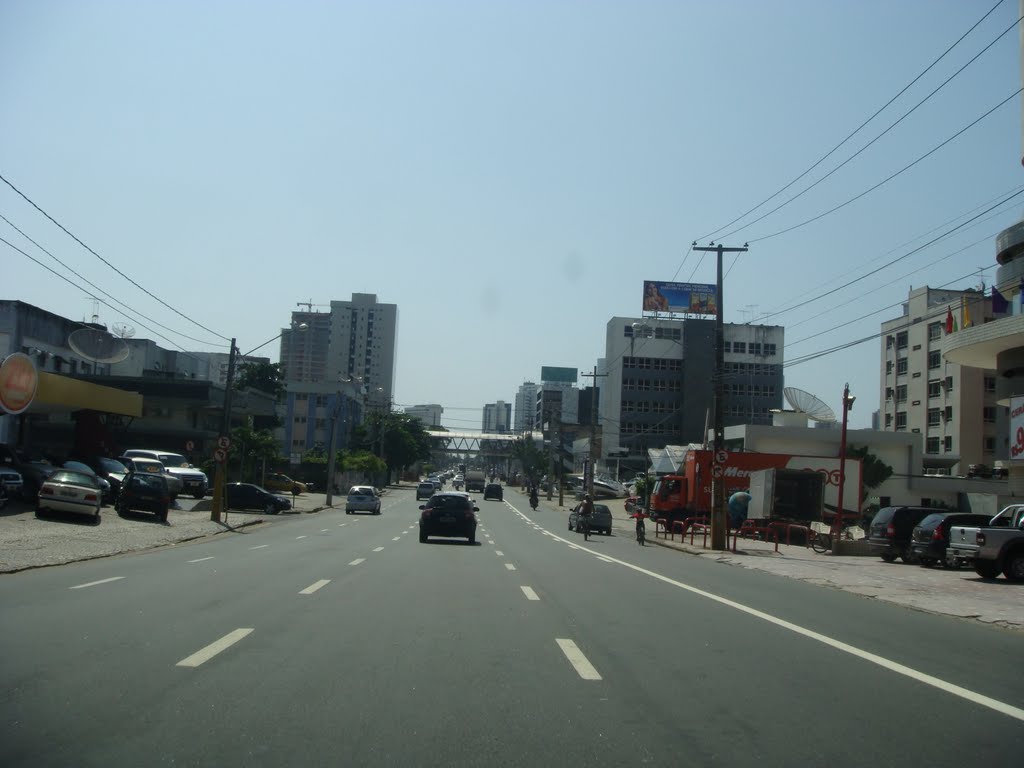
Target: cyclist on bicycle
641	528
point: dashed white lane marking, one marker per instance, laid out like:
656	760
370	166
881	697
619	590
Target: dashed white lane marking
358	560
315	586
530	594
579	662
260	546
499	553
324	530
342	525
207	653
510	566
378	549
201	559
396	538
977	698
94	583
300	537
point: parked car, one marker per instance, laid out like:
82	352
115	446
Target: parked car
249	496
425	490
493	491
892	529
448	514
153	467
68	491
930	539
103	483
111	470
283	484
10	481
192	480
148	492
600	520
362	498
994	547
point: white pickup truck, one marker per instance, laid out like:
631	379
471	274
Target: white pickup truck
995	548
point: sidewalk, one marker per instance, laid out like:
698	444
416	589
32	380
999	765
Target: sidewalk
935	590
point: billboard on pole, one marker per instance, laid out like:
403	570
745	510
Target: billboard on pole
553	373
681	298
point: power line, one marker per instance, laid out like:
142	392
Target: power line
89	282
883	133
120	272
858	128
886	180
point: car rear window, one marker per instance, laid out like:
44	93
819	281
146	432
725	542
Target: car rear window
448	502
932	520
75	478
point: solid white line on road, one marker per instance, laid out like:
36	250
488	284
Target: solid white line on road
530	594
201	559
499	553
300	537
573	546
510	566
94	583
358	560
1001	707
604	559
377	549
315	586
396	538
260	546
214	648
575	656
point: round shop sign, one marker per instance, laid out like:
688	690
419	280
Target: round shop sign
19	380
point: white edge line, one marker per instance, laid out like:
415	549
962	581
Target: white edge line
202	559
964	693
259	546
579	662
530	594
315	586
207	653
94	583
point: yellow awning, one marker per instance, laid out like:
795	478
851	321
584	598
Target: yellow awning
58	392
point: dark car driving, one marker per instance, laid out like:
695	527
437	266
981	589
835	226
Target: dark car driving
249	496
892	529
493	491
448	514
930	539
600	520
148	492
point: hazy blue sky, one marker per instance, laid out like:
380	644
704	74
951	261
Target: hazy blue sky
507	173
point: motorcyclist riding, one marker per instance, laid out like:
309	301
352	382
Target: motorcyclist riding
586	510
533	497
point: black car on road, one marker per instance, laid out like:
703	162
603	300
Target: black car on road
249	496
448	514
930	539
493	491
600	519
148	492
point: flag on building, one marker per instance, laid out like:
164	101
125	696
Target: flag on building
949	320
1000	305
965	314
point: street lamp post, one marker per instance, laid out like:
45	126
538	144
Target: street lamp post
334	432
837	522
225	423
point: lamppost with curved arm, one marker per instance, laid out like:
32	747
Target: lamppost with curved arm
334	432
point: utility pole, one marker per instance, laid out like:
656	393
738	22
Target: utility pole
331	450
719	522
593	429
225	425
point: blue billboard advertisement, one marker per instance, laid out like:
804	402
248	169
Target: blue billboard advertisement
681	298
553	373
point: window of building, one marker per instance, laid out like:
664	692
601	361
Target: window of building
888	394
888	420
726	346
888	367
988	414
934	388
739	347
934	359
949	383
889	342
933	445
949	413
901	340
947	444
755	348
298	443
990	384
901	393
934	331
990	445
934	417
770	350
901	366
901	420
300	420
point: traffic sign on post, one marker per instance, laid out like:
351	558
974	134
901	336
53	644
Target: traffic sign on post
220	454
224	442
190	446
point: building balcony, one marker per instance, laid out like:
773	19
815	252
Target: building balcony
980	346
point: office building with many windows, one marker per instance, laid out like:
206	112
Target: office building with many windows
497	417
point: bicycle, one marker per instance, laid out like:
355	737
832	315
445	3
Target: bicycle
585	525
641	534
820	542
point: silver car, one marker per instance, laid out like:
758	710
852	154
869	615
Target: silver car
362	498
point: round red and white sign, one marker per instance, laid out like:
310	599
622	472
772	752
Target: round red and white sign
190	446
224	442
220	454
19	380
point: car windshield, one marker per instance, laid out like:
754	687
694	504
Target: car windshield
79	467
72	478
112	465
175	460
148	481
141	465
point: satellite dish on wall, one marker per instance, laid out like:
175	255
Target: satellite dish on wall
98	346
805	402
123	330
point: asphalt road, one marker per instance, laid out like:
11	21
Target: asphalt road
330	639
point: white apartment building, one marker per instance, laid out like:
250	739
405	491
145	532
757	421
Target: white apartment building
526	407
497	417
429	415
954	407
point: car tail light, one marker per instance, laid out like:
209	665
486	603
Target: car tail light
890	531
46	491
980	539
90	497
939	534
